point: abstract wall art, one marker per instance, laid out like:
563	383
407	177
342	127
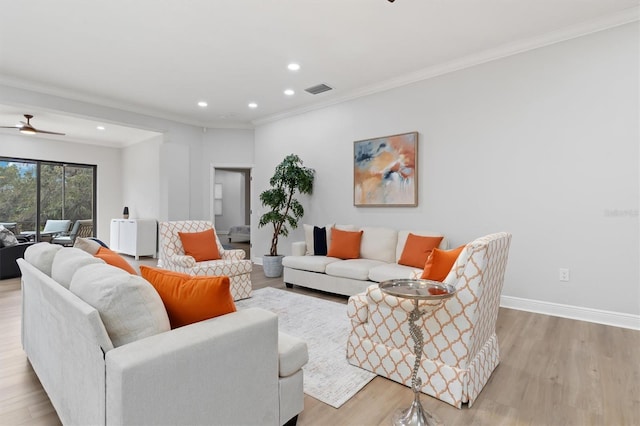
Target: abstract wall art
385	171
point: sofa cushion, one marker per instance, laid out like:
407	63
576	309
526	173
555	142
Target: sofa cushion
114	259
345	244
129	306
417	250
308	263
41	256
379	244
439	263
357	269
67	261
190	299
292	354
392	271
402	239
200	245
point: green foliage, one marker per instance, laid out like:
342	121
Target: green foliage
65	193
289	177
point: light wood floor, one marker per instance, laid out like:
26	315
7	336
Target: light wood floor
553	371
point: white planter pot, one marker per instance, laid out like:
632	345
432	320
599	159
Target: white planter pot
272	266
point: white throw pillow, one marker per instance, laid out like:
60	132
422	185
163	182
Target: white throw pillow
379	244
67	261
129	306
7	238
41	256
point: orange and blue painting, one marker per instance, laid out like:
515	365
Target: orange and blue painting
385	171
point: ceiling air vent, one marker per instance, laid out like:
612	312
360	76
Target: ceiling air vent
318	89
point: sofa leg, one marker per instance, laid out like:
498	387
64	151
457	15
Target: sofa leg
288	285
292	421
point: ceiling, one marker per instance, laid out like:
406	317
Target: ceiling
161	57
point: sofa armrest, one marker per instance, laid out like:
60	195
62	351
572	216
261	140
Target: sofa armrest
182	260
203	373
235	254
298	248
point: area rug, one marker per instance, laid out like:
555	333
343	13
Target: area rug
324	325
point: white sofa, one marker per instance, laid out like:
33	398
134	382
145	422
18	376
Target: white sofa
380	250
232	369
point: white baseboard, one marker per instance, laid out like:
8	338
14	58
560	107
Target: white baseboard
616	319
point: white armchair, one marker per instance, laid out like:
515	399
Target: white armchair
460	342
231	264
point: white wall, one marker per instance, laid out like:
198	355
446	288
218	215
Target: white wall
543	144
183	157
230	148
107	160
141	183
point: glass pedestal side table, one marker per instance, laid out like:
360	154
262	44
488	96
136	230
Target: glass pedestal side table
417	290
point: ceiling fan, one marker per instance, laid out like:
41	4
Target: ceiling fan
28	129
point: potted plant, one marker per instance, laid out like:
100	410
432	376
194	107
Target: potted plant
289	177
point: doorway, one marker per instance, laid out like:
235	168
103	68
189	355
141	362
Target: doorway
230	205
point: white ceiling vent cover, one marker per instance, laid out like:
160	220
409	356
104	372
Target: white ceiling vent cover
318	89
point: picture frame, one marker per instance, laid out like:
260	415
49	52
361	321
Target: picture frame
385	171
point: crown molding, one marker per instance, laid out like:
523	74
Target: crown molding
603	23
610	21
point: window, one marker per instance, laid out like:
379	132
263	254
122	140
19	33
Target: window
32	192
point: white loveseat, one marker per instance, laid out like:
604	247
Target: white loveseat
232	369
380	250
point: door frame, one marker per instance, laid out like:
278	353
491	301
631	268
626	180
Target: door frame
212	180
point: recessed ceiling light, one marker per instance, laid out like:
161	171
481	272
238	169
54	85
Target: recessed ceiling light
293	66
253	105
289	92
202	104
100	127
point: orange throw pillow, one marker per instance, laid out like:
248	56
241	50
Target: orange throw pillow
114	259
190	299
440	263
417	249
345	244
200	245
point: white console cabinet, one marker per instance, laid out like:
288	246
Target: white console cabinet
135	237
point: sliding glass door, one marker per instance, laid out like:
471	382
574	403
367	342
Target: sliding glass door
33	192
18	194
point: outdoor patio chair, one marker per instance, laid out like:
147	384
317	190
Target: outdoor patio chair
52	227
81	228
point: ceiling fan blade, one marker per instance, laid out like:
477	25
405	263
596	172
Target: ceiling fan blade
48	133
29	129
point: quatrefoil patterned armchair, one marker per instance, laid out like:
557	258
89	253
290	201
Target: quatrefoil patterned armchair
231	264
460	342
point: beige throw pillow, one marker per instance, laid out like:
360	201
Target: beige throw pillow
129	306
88	245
